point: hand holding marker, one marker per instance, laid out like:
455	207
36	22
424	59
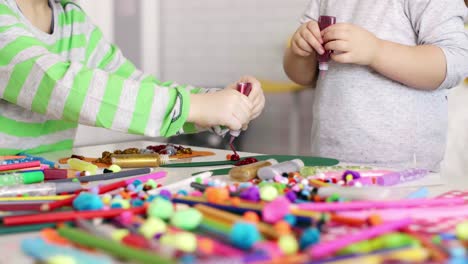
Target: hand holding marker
244	88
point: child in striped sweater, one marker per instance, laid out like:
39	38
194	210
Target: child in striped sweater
57	71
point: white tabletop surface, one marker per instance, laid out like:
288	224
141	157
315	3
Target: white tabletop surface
10	244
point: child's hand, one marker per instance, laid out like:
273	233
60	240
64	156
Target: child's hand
227	108
256	97
307	39
351	44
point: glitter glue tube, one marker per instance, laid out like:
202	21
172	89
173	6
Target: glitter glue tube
81	165
268	173
140	160
244	88
40	189
21	178
248	172
401	177
324	22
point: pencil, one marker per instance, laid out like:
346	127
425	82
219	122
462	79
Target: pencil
112	247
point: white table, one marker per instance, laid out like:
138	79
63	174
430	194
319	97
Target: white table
10	244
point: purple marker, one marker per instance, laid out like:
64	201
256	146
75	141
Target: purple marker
401	177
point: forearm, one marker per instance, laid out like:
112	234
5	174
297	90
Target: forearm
420	67
301	70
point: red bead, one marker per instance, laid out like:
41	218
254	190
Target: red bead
235	157
334	180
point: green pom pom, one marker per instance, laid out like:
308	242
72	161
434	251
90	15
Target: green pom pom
183	241
61	260
151	183
187	219
119	234
288	244
160	208
152	227
268	193
115	168
462	230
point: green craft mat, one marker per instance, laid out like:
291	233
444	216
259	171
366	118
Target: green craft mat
308	161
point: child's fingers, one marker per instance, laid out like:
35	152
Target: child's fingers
338	45
314	28
298	50
342	57
233	123
335	33
312	41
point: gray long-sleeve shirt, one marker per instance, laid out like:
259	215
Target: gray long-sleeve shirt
362	116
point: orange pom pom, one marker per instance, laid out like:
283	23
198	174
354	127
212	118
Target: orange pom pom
251	217
282	228
216	195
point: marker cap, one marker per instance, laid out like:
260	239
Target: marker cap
33	177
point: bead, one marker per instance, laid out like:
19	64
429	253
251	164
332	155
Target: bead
187	219
245	161
228	156
235	157
310	236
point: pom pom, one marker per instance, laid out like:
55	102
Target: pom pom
160	208
87	201
244	235
187	219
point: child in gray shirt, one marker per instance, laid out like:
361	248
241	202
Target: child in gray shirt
383	100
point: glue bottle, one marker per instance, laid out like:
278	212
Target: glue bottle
268	173
248	172
244	88
81	165
140	160
324	22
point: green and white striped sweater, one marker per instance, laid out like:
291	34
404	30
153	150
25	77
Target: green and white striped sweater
51	82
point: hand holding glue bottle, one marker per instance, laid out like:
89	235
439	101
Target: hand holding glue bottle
245	88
